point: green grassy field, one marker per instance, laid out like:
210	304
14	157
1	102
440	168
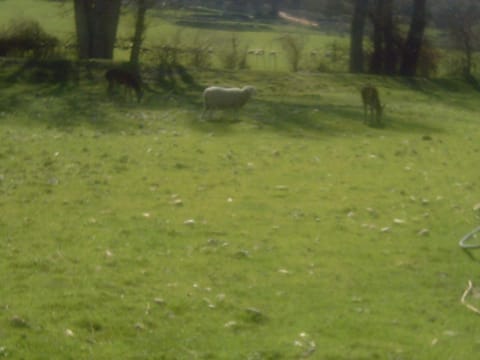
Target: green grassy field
137	231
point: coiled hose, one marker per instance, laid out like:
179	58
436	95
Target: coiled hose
463	241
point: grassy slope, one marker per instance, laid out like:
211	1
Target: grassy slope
91	235
294	210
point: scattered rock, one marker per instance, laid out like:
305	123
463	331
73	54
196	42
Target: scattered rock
306	343
177	202
449	333
139	326
159	301
424	232
230	324
209	303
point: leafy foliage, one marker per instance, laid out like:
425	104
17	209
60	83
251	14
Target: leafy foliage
26	38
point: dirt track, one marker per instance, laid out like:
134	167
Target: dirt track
297	20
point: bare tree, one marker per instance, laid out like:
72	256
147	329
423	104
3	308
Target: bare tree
293	48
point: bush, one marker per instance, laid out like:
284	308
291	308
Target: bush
428	60
293	47
232	57
26	38
455	64
170	72
200	53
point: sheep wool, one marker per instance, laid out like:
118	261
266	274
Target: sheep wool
220	98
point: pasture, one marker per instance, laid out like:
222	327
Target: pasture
136	231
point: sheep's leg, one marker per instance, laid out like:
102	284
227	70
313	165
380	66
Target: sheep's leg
366	114
206	111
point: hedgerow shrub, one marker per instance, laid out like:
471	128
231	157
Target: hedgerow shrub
26	38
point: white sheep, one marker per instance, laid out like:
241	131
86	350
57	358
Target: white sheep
221	98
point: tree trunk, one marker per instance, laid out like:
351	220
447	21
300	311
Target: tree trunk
139	32
274	7
390	57
468	49
82	27
413	44
377	59
96	24
356	36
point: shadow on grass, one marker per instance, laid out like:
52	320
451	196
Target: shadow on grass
63	105
455	92
299	119
59	94
67	103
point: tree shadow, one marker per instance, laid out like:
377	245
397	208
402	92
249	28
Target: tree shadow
297	118
55	103
330	119
64	108
73	94
430	86
457	89
87	102
473	82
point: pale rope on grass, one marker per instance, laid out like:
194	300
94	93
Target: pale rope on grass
463	241
465	293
